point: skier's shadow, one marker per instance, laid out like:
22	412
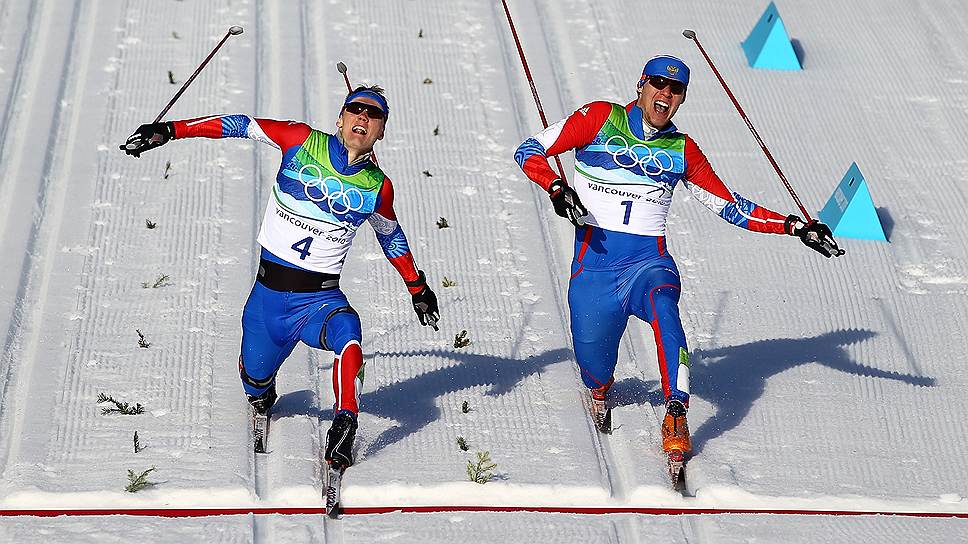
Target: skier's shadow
303	402
411	402
732	378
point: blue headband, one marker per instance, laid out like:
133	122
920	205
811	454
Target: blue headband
371	95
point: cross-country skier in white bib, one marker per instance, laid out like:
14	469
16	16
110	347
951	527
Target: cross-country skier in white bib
326	188
628	160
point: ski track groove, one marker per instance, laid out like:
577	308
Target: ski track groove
13	322
39	250
611	470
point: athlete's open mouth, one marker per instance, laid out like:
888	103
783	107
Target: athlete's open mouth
359	129
660	106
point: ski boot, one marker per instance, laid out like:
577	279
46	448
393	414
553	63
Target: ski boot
339	441
675	440
263	402
601	414
260	416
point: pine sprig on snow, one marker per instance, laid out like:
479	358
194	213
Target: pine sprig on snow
481	472
138	482
119	407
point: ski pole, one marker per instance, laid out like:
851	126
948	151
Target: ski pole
341	68
234	30
534	90
691	34
346	79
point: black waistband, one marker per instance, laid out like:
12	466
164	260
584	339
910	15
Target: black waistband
284	278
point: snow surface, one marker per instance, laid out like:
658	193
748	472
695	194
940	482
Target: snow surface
817	384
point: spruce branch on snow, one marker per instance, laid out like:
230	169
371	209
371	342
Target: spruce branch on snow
461	340
162	281
480	472
171	78
150	224
462	444
142	342
464	407
442	223
447	282
167	169
138	448
138	482
119	407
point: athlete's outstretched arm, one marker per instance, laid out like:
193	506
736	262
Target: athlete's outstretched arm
279	134
397	251
708	189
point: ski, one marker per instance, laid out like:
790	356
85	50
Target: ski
677	470
260	431
601	414
334	482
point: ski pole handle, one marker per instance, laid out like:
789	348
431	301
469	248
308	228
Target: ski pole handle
341	68
234	30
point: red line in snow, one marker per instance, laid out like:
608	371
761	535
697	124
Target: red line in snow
658	511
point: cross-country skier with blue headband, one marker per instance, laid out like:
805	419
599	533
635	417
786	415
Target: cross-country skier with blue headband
628	160
327	186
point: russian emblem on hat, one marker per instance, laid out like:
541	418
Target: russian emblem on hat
665	66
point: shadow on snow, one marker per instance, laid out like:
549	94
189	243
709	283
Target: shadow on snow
731	378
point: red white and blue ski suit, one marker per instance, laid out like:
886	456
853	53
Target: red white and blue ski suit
318	202
621	267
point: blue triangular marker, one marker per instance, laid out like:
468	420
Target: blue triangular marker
850	211
768	45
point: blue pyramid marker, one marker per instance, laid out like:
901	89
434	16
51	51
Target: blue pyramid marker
768	45
850	211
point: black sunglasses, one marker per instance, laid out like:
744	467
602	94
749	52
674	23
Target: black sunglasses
373	112
659	82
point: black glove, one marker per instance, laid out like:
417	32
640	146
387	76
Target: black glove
814	235
566	202
424	302
147	137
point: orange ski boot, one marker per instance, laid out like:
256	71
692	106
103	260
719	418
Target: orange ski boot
675	430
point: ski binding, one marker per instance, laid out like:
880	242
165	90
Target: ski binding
333	487
260	431
677	470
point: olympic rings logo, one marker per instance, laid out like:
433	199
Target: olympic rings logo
652	162
331	190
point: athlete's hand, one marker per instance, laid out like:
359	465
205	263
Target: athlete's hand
425	302
148	136
814	235
566	203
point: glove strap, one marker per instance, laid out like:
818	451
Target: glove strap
419	282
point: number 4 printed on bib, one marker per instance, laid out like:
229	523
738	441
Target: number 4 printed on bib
302	247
